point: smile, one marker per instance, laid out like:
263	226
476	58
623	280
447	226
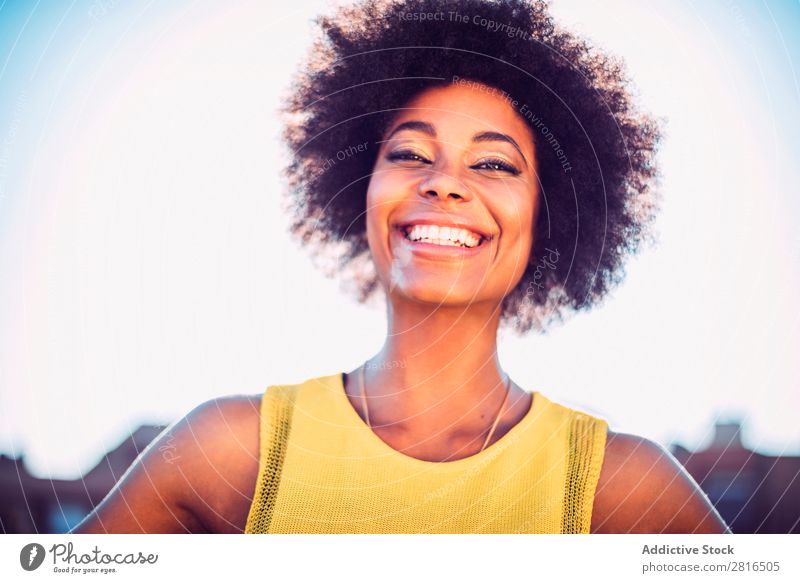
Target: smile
442	235
433	243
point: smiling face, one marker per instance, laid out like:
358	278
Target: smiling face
453	198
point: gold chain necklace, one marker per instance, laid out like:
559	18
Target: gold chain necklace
491	431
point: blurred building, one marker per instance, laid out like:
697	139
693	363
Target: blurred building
29	504
754	493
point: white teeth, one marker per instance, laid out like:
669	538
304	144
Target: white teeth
452	236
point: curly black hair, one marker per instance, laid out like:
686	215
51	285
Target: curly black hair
595	151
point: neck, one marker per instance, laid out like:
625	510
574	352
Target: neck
438	369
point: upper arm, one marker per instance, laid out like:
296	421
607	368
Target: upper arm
198	475
643	489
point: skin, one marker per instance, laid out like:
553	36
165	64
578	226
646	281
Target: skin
443	317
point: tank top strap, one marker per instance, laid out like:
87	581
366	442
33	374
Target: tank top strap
585	454
277	407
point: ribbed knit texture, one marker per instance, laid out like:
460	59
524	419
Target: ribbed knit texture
323	470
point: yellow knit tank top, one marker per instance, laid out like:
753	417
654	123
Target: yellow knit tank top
323	470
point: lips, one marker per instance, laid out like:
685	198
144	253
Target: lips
443	222
427	247
405	249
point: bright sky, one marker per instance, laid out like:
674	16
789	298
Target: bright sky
145	265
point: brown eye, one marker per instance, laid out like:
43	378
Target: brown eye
496	165
407	156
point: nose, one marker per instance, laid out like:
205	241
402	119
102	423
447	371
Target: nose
443	182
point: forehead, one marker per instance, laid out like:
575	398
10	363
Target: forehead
466	108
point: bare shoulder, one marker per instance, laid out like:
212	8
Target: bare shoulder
198	475
221	440
643	489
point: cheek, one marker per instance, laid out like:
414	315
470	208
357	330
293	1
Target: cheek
379	205
379	189
520	254
519	221
374	221
386	191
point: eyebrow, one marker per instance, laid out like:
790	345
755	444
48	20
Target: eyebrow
498	137
419	126
428	129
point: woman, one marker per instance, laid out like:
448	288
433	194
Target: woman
477	166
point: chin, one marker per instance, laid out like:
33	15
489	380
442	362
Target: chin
444	294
